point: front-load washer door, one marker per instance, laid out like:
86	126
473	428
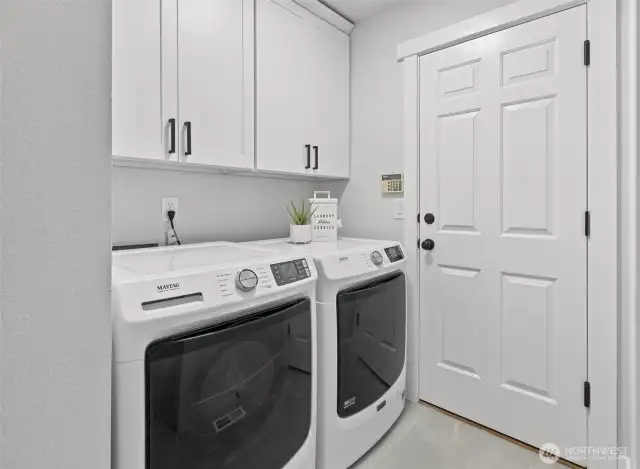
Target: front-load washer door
371	341
235	395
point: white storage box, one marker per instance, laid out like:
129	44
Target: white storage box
325	218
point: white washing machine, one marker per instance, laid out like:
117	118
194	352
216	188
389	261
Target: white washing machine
214	359
362	317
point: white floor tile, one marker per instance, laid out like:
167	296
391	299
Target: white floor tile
424	438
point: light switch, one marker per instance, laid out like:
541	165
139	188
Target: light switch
399	209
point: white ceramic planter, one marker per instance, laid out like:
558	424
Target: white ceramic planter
300	234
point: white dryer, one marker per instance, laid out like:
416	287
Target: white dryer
214	359
362	317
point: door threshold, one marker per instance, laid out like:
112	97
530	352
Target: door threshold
493	432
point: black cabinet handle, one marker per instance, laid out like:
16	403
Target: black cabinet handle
315	149
188	127
172	147
308	147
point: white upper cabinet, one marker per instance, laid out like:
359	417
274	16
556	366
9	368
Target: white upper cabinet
216	82
302	92
284	87
184	68
330	134
240	84
145	94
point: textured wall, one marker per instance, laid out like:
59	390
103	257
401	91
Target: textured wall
55	258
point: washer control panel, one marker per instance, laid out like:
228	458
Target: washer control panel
289	272
394	253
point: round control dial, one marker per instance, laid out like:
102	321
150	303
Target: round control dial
376	258
246	280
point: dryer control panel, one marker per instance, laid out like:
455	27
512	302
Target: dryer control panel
394	253
291	271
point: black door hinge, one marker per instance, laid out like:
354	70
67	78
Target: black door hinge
587	52
418	218
587	394
587	223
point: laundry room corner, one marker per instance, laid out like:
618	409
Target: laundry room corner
377	109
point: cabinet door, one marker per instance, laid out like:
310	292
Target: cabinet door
330	134
144	79
284	86
216	82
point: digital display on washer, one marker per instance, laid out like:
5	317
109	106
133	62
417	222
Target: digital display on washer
394	253
289	272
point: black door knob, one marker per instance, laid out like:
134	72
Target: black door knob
429	218
428	245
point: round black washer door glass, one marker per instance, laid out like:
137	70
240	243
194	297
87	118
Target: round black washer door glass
235	395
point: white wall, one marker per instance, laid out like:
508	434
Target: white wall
211	207
629	213
55	341
377	105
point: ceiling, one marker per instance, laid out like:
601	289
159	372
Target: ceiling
356	10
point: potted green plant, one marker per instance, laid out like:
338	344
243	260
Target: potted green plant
300	230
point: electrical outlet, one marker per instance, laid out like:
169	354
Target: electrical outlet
169	203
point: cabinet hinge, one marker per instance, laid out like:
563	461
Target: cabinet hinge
587	394
587	52
587	223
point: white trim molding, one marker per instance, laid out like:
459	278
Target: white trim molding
411	225
130	162
604	280
613	211
322	11
488	23
629	414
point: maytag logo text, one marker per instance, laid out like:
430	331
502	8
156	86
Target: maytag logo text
168	287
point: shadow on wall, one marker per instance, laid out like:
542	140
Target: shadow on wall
212	207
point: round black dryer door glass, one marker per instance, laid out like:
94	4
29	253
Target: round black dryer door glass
235	395
372	321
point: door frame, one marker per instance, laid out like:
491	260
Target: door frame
606	250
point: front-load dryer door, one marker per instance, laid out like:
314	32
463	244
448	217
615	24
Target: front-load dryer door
371	341
236	395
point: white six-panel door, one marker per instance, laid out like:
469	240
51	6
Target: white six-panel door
503	168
